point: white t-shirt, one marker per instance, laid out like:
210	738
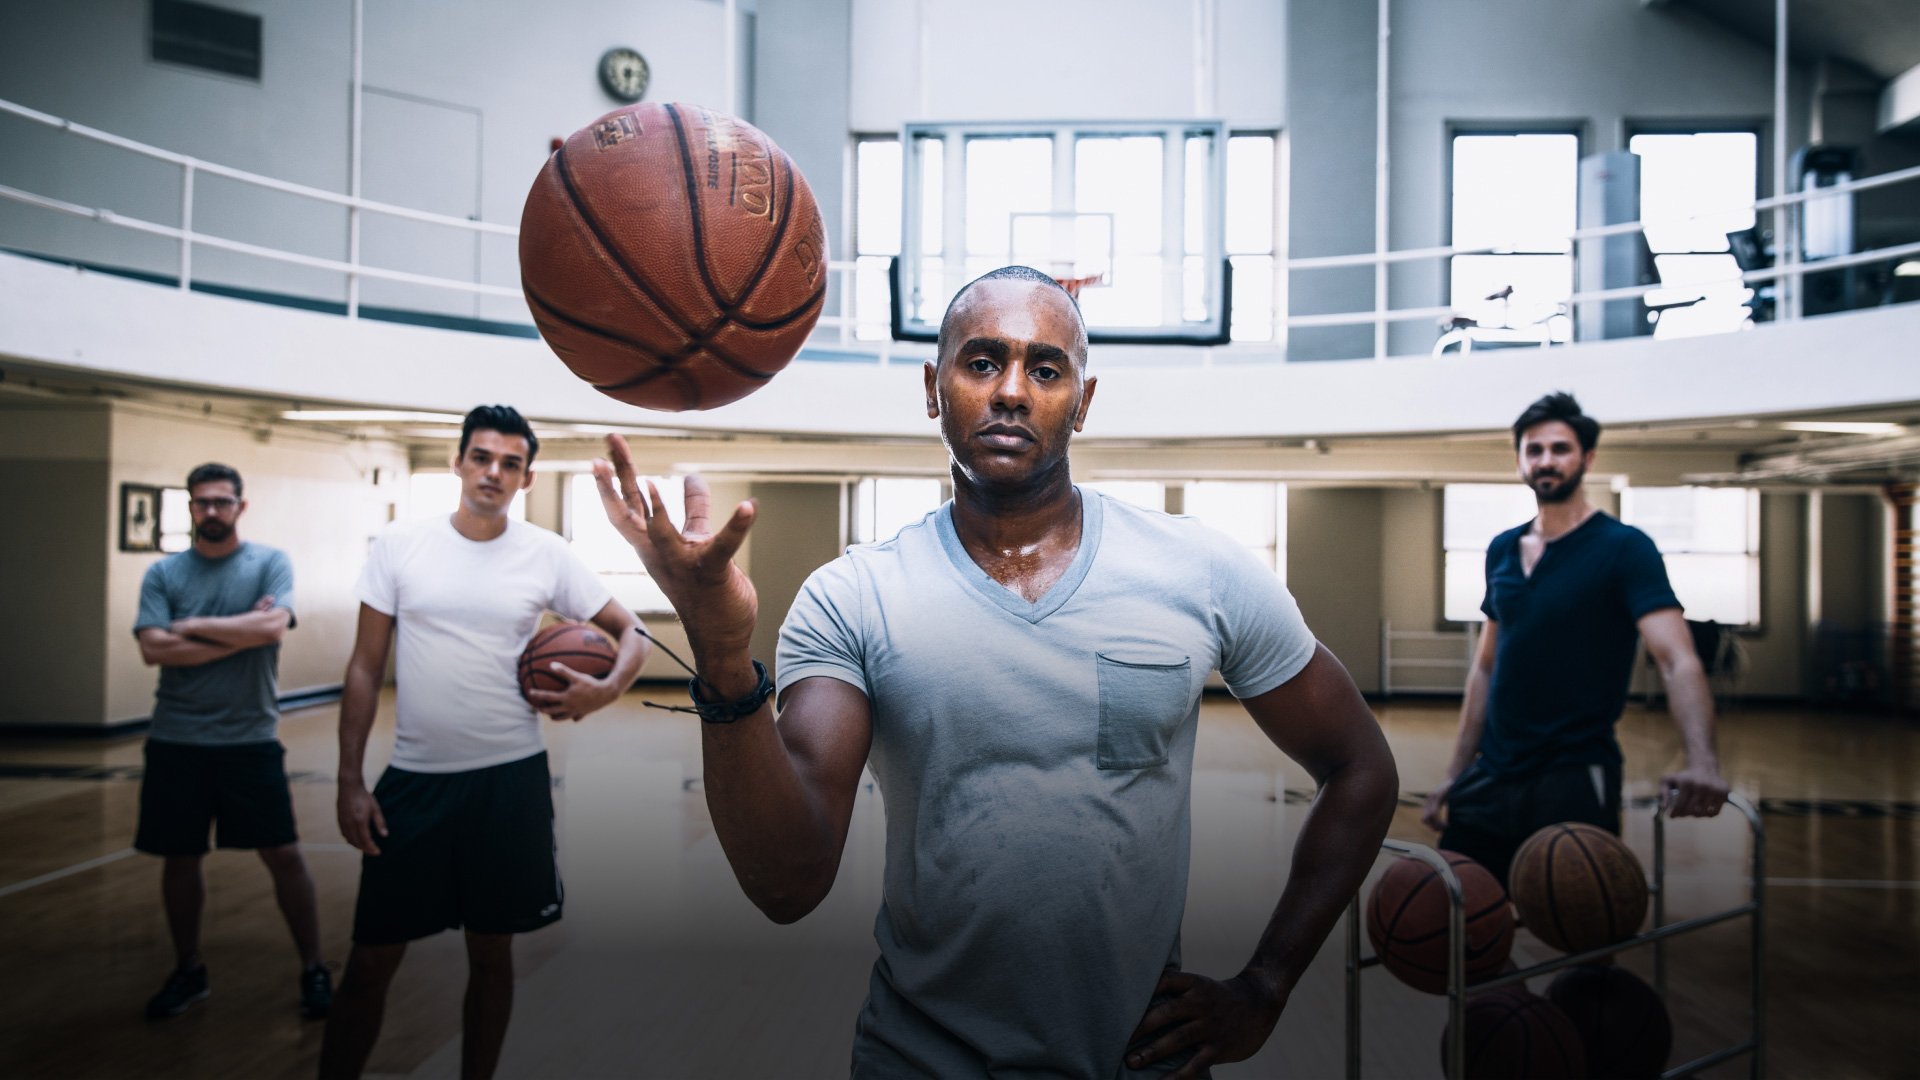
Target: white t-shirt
464	610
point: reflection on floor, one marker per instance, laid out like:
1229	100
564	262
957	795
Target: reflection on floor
661	967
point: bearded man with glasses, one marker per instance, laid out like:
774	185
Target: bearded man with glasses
211	618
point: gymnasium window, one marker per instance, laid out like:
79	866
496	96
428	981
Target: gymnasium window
876	230
1710	539
1471	515
883	505
877	217
437	494
176	520
1253	512
1714	175
605	551
1251	234
1515	192
1009	184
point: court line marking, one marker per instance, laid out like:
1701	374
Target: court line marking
1837	883
116	856
1700	877
76	868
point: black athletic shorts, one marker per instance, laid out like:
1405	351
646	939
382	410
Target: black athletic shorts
1489	817
467	849
239	789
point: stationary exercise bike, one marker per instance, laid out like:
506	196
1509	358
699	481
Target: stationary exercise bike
1466	333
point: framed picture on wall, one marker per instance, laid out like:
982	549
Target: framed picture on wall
139	517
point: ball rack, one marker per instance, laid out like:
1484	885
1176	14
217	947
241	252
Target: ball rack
1458	990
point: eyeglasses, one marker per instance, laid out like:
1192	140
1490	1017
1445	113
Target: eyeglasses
218	505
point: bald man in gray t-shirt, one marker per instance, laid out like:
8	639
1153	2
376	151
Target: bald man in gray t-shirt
1037	824
1022	670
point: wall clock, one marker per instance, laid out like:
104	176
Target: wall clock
624	74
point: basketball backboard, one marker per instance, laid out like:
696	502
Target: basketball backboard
1127	216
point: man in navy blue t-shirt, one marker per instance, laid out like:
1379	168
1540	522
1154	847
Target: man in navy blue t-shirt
1568	593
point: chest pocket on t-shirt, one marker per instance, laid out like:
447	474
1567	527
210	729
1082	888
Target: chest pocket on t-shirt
1142	703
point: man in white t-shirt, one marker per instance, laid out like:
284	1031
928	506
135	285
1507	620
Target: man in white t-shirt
459	830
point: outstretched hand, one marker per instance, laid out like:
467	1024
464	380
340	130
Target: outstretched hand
1216	1021
692	564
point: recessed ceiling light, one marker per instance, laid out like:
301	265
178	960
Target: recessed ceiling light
1841	427
370	416
1910	268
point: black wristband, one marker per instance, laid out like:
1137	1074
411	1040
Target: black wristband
726	712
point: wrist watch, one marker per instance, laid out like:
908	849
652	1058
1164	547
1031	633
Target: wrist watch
726	712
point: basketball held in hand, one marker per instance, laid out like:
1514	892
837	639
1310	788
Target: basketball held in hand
673	256
577	645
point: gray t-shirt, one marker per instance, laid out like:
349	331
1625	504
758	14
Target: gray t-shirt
1036	762
235	700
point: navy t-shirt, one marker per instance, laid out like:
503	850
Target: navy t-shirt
1564	654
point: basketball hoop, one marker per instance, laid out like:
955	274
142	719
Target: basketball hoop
1073	285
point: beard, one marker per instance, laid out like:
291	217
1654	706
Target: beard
213	531
1554	489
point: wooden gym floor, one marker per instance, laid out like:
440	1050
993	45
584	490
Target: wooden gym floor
662	969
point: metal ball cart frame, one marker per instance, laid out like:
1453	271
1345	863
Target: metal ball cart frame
1457	990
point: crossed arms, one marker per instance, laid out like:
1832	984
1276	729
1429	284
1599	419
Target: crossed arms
203	639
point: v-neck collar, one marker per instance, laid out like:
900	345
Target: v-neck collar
1006	599
1547	546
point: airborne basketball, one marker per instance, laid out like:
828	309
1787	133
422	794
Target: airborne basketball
673	256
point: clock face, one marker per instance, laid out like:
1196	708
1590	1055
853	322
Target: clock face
623	72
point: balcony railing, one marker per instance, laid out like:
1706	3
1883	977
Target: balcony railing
845	331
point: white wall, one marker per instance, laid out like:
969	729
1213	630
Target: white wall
1412	561
802	61
62	515
88	62
1776	653
1333	571
309	494
809	517
471	93
70	657
1064	60
1853	574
